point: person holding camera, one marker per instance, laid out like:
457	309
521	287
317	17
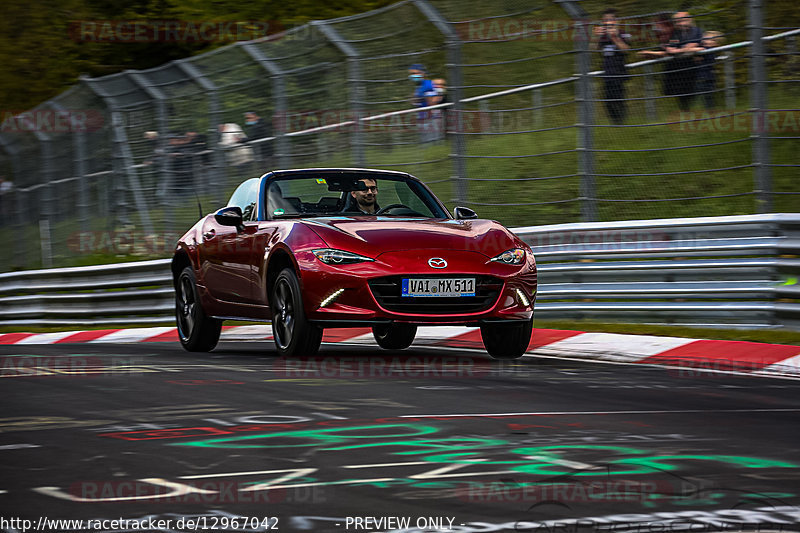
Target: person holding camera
613	44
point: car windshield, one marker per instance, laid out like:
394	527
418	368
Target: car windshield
326	194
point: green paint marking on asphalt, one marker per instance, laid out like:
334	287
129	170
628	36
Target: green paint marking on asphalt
79	355
790	281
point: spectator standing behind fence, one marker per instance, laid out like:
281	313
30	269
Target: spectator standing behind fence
258	129
230	137
440	115
180	164
663	28
613	45
706	78
151	147
685	41
423	96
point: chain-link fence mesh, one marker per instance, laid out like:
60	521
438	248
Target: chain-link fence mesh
533	129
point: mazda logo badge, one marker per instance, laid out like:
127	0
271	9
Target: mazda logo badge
437	262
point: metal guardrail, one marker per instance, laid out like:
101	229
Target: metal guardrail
737	271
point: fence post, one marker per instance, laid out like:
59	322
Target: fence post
48	199
120	167
455	84
22	245
218	177
584	99
730	79
537	108
650	93
167	178
486	119
354	81
791	52
15	196
758	103
279	95
79	145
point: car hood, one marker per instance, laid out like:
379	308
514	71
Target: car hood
374	235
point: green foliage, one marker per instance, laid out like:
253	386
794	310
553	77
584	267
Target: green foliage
42	56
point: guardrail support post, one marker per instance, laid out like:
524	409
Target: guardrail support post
759	108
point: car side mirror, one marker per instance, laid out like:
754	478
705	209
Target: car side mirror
230	216
464	213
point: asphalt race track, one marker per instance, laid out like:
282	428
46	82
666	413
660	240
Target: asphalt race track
148	437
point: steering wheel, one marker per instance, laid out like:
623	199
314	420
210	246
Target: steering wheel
382	210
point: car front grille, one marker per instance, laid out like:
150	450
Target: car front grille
387	292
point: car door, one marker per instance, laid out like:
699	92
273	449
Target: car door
227	261
228	251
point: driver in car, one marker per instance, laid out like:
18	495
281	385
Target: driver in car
366	200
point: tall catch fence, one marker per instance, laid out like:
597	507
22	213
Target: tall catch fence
532	129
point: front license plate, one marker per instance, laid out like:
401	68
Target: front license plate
446	287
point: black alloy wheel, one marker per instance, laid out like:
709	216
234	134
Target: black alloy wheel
196	331
294	335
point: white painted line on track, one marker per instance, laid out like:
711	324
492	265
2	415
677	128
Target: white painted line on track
431	334
133	335
787	366
46	338
379	465
247	333
614	346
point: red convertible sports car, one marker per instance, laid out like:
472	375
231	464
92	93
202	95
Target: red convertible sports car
324	248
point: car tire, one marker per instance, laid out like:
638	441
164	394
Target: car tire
197	331
507	341
294	335
394	336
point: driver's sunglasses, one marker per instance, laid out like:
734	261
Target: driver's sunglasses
374	188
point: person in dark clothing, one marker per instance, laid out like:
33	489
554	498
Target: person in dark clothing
663	29
364	202
180	164
258	129
685	41
613	44
706	79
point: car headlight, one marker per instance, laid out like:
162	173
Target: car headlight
515	256
330	256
